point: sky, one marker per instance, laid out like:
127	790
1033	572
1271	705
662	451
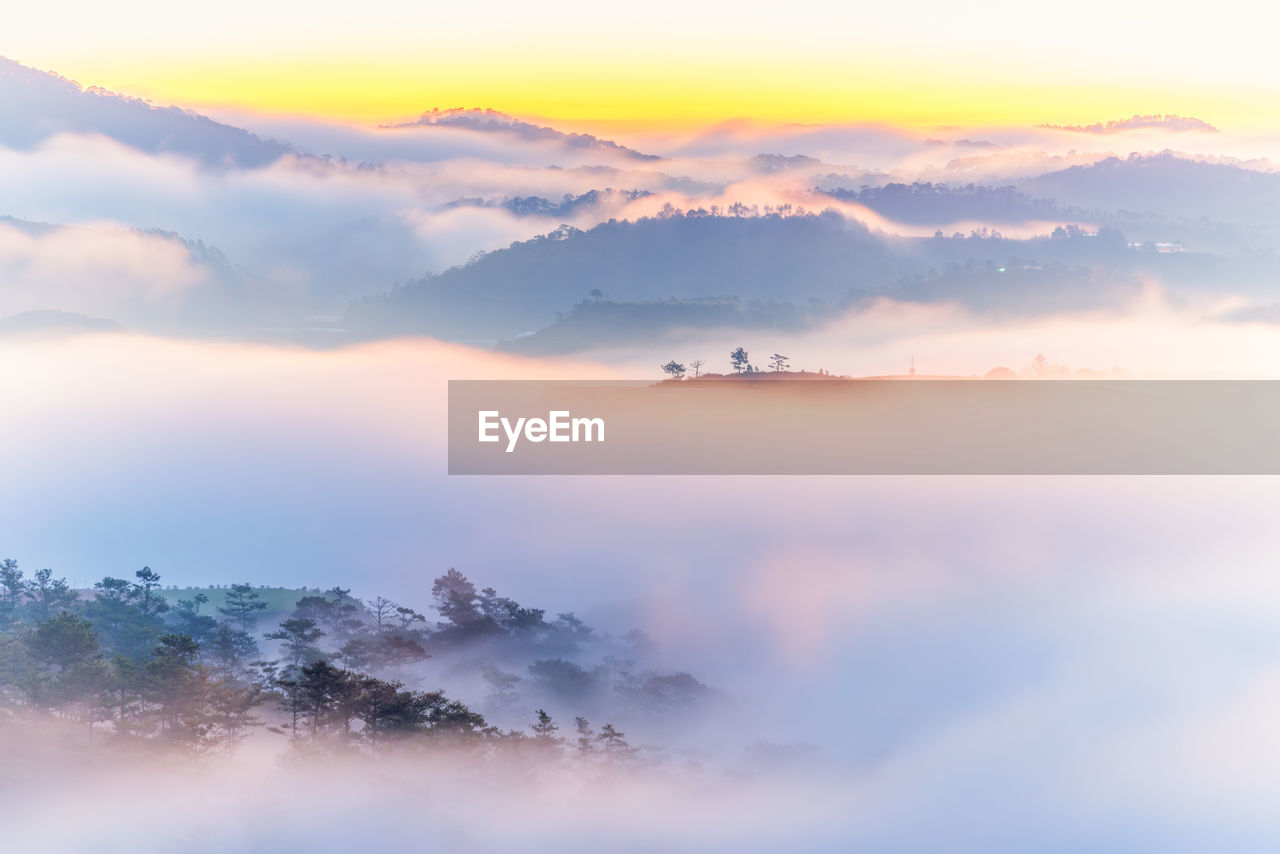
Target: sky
673	64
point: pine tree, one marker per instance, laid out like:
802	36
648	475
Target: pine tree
299	636
544	728
242	606
586	737
615	742
50	596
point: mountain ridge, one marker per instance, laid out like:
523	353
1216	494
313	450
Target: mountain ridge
488	120
41	104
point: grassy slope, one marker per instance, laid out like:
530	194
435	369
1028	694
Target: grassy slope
280	600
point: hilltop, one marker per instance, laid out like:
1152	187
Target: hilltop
40	104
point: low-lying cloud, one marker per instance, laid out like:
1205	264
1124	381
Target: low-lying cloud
96	270
1085	652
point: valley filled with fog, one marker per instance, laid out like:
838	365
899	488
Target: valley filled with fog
226	342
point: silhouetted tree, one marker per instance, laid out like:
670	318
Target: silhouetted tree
228	647
675	369
68	666
242	605
545	739
177	693
389	711
358	653
659	694
49	596
396	649
740	362
452	720
231	703
190	622
456	599
149	602
330	698
122	624
586	737
12	590
409	619
335	612
562	677
383	610
506	614
502	685
614	742
544	728
299	636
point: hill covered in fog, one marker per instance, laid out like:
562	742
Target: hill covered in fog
629	280
39	105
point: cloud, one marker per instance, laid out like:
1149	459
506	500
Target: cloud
1072	648
323	231
1176	124
454	234
1146	332
871	146
306	236
451	135
103	270
331	231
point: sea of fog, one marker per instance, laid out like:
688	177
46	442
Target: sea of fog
911	664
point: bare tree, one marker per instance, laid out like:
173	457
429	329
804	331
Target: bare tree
695	365
382	608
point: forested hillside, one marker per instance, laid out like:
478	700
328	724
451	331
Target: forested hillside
198	671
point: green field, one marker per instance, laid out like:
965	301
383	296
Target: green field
280	600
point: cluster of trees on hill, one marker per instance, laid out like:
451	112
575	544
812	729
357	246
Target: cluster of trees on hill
682	269
568	205
129	665
739	362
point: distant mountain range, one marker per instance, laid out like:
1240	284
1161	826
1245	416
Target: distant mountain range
492	121
26	226
1169	122
521	289
48	322
1166	183
696	270
38	105
928	203
1183	222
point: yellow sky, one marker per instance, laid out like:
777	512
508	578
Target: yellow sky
670	63
668	96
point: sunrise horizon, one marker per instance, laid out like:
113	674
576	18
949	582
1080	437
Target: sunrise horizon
681	101
674	89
